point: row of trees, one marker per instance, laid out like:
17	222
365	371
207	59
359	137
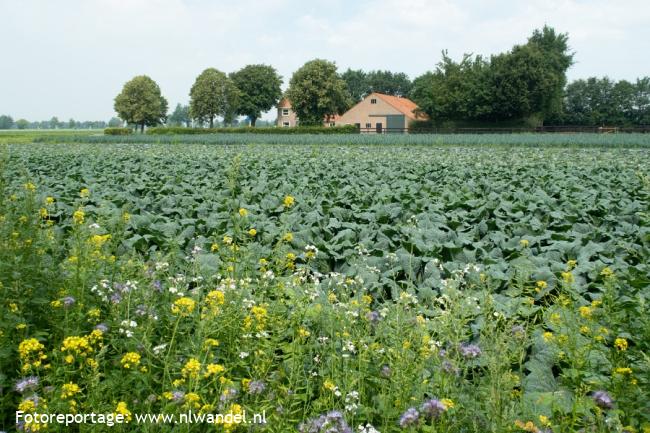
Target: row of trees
248	92
7	122
601	101
526	85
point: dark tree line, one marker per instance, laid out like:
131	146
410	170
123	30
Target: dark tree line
601	101
523	84
7	122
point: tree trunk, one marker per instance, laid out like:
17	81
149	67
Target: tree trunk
142	128
253	120
211	121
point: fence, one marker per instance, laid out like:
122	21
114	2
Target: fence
540	129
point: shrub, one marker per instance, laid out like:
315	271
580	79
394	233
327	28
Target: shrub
117	131
347	129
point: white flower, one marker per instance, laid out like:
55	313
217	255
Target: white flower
94	226
158	349
243	355
368	428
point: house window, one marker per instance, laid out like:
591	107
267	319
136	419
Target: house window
285	124
368	125
332	124
285	111
358	125
373	101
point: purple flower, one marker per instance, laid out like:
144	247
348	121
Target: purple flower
27	384
157	285
373	317
68	301
385	371
116	298
101	327
448	367
178	396
603	400
332	422
433	408
256	387
469	350
409	418
518	331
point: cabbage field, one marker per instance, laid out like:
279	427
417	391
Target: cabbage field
356	283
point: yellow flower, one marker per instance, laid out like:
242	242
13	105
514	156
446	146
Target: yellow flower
131	359
77	345
126	217
585	311
13	307
78	216
567	277
21	326
544	420
623	370
288	201
548	336
210	343
527	426
242	212
192	399
584	330
213	370
27	405
571	264
252	232
84	193
31	350
288	237
183	306
42	212
227	240
302	332
192	368
523	243
607	273
30	187
621	344
329	385
447	403
121	409
70	389
49	200
214	247
98	240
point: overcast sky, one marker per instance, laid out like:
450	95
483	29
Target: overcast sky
70	58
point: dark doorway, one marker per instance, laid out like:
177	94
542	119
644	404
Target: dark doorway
378	127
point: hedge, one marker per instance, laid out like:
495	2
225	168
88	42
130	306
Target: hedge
347	129
117	131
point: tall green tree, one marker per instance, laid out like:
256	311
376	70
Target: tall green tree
357	83
6	122
180	116
396	84
114	122
213	94
316	90
141	103
260	90
22	124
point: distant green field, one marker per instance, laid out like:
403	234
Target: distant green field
29	135
509	140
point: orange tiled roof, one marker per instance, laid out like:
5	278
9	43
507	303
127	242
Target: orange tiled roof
403	105
284	103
